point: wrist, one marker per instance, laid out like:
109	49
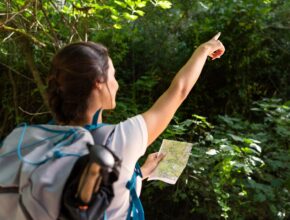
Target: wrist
203	48
144	173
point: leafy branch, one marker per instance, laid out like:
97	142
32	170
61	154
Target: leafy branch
23	33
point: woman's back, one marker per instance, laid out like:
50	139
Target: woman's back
128	140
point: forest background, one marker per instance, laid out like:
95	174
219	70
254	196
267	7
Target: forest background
237	115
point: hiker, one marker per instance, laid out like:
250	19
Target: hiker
82	82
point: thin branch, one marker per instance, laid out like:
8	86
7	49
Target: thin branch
33	114
6	38
278	26
8	13
15	71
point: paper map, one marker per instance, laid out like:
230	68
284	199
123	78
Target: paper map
171	167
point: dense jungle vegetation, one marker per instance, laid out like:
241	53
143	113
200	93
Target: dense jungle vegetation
237	115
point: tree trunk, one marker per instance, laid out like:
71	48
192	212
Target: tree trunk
28	54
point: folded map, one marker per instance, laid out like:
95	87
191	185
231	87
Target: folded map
171	167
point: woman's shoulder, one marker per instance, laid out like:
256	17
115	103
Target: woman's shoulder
132	122
131	127
128	139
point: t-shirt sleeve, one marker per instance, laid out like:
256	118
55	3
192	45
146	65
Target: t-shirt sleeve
129	140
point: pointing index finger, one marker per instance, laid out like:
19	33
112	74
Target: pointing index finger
216	37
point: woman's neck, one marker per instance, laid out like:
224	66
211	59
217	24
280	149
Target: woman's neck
99	114
89	120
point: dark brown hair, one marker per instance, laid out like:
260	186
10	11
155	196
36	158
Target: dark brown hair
74	70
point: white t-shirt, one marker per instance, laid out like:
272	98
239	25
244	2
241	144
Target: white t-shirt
129	143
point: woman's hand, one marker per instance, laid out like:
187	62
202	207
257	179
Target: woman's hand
215	48
151	163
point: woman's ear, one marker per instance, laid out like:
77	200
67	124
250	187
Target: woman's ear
98	85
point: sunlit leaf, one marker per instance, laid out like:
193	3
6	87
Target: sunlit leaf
140	13
117	26
122	4
164	4
212	152
130	16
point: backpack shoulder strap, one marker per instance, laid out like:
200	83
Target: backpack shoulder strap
103	134
136	211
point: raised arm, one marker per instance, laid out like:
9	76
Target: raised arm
160	114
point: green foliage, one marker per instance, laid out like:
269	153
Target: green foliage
238	169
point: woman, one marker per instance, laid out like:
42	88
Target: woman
82	81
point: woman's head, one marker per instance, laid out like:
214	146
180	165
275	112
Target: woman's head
81	80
